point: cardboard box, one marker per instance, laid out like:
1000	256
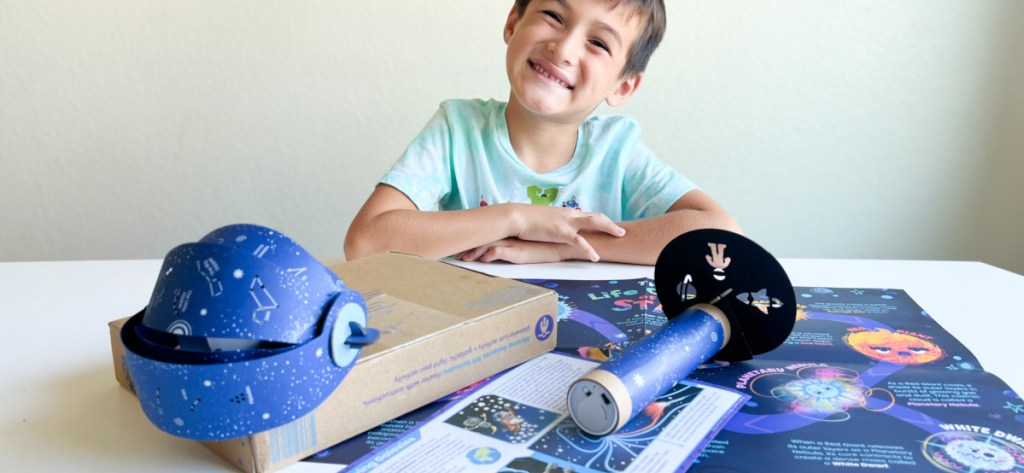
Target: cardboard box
442	328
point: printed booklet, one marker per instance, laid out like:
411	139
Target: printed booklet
519	422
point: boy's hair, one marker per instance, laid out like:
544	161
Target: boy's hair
652	29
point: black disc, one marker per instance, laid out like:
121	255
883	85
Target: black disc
734	273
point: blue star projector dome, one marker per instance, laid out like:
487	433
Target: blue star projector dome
244	332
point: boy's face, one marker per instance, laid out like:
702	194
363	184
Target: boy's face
565	56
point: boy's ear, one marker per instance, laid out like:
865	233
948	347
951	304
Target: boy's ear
510	24
626	88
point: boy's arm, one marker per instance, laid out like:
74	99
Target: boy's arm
389	221
645	238
642	243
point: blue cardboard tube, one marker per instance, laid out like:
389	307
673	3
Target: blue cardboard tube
603	400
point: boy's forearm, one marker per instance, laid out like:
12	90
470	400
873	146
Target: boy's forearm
645	238
428	234
389	221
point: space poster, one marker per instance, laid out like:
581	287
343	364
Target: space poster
866	381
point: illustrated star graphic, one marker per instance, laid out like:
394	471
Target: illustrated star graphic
952	368
1016	408
857	292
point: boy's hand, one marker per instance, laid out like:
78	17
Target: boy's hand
514	250
562	225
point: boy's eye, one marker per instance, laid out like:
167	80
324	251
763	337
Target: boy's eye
600	44
552	15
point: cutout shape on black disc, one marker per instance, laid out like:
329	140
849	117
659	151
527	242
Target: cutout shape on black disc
737	275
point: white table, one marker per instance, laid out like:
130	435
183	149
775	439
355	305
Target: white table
62	409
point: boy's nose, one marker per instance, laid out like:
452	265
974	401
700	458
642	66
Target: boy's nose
562	50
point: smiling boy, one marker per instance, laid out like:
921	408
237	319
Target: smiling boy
538	179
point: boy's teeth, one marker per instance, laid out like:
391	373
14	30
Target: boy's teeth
545	73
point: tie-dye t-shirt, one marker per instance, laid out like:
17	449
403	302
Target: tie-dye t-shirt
463	159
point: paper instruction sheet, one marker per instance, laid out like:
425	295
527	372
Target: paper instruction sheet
520	422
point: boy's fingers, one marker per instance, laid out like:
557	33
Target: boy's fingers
472	255
491	256
581	243
497	253
601	223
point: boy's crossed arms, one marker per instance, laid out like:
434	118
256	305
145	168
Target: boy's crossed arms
523	233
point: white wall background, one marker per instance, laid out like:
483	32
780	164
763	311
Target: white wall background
841	129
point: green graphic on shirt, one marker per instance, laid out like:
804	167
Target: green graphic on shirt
541	196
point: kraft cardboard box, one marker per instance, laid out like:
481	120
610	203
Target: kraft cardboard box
442	328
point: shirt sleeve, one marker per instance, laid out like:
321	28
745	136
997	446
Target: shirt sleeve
650	186
423	172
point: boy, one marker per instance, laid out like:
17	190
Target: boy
486	165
